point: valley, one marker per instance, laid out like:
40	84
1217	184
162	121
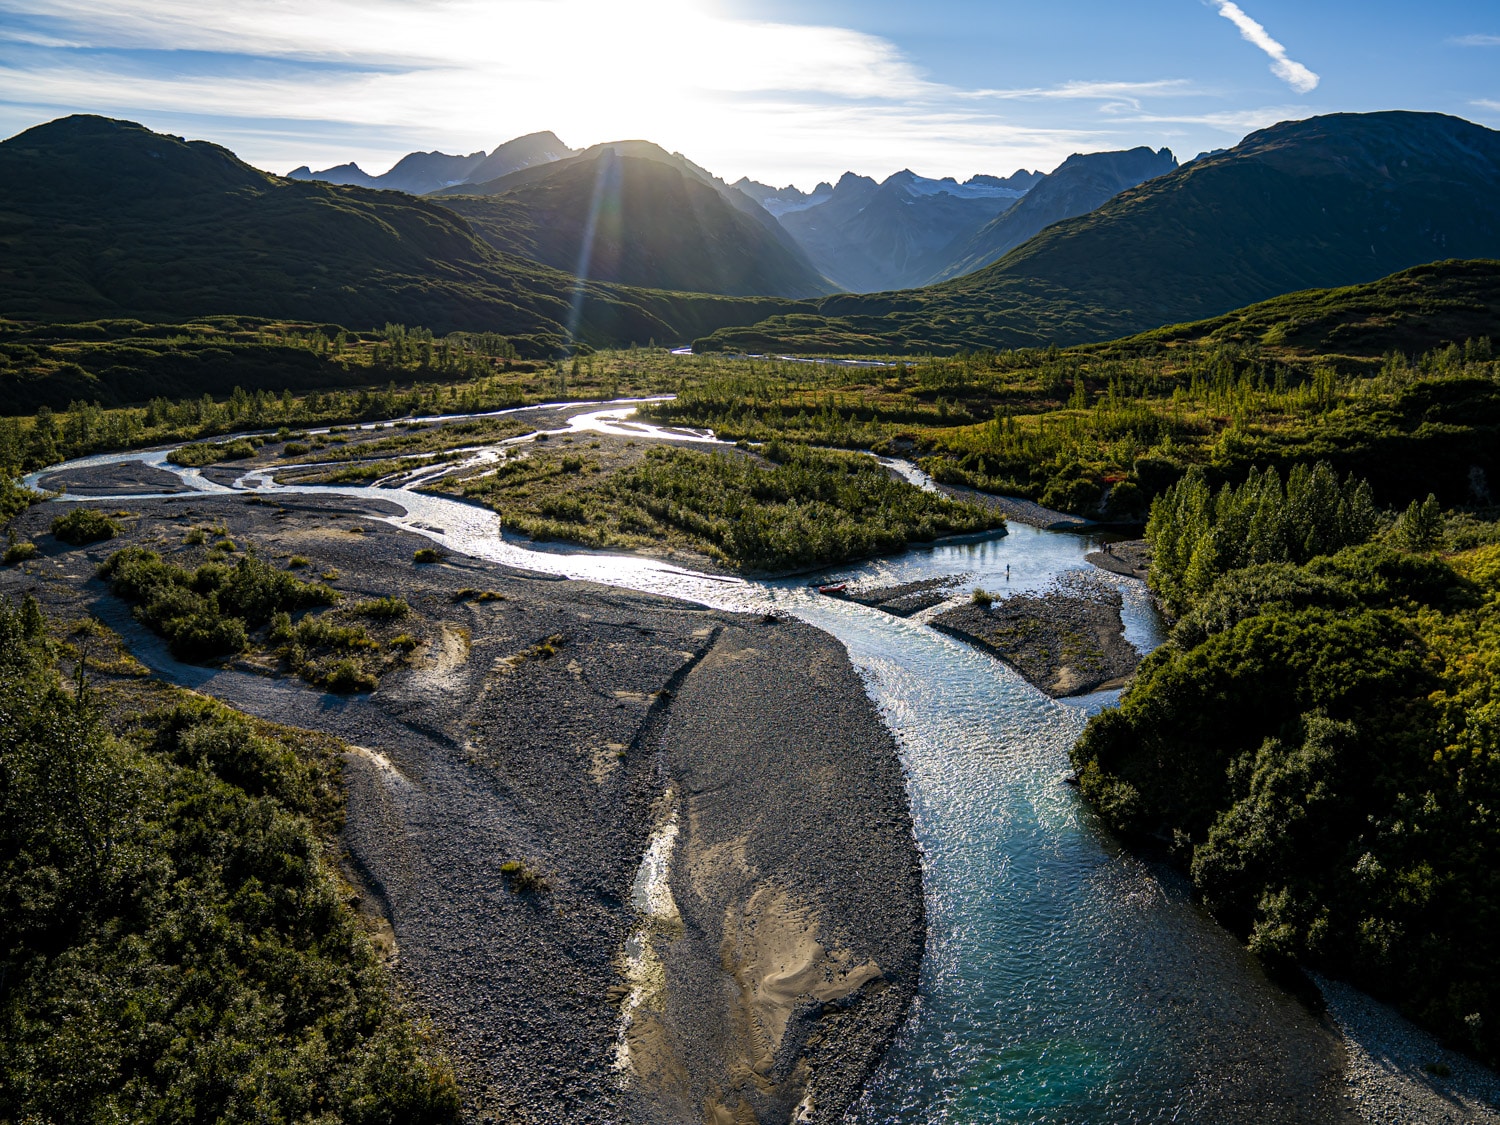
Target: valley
550	634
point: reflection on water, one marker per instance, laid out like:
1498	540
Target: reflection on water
1064	981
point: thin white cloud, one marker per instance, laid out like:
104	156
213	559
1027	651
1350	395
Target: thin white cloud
1486	103
1293	73
1234	122
368	80
1476	41
1086	91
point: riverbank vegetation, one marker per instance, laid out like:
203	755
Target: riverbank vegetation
177	944
1101	431
1396	381
1319	741
787	507
68	390
224	609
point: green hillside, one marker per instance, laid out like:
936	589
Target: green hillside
103	218
645	222
1334	200
1411	312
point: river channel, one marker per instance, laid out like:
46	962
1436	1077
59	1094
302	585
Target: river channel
1064	980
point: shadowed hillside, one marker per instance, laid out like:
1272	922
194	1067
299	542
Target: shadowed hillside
1083	182
631	219
105	218
1330	201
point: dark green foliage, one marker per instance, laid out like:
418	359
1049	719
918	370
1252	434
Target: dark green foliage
1420	527
84	525
210	453
173	942
806	508
207	612
383	609
1197	537
426	555
14	499
1319	744
523	879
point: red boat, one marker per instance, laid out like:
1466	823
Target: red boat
837	588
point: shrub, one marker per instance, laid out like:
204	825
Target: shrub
522	879
207	612
383	609
426	555
84	525
982	598
189	918
347	677
19	552
197	454
296	562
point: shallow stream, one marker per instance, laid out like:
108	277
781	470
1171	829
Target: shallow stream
1064	980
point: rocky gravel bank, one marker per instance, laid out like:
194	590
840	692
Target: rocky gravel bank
538	729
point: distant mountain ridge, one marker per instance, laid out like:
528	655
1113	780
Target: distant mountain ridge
630	212
779	201
867	236
419	173
104	218
1328	201
1081	183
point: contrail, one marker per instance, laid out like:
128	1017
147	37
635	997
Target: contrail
1293	73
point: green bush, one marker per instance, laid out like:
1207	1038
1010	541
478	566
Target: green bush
208	612
426	555
176	942
523	879
383	609
346	677
1319	745
84	525
197	454
19	552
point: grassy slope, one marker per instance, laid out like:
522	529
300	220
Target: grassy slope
105	218
1330	201
1412	312
1062	426
655	226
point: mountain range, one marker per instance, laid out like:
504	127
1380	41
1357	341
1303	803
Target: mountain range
104	218
1081	183
1327	201
418	173
633	213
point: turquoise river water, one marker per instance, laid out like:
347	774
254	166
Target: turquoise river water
1064	980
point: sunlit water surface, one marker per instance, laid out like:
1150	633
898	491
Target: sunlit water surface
1063	980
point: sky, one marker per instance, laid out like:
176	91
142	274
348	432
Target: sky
784	91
